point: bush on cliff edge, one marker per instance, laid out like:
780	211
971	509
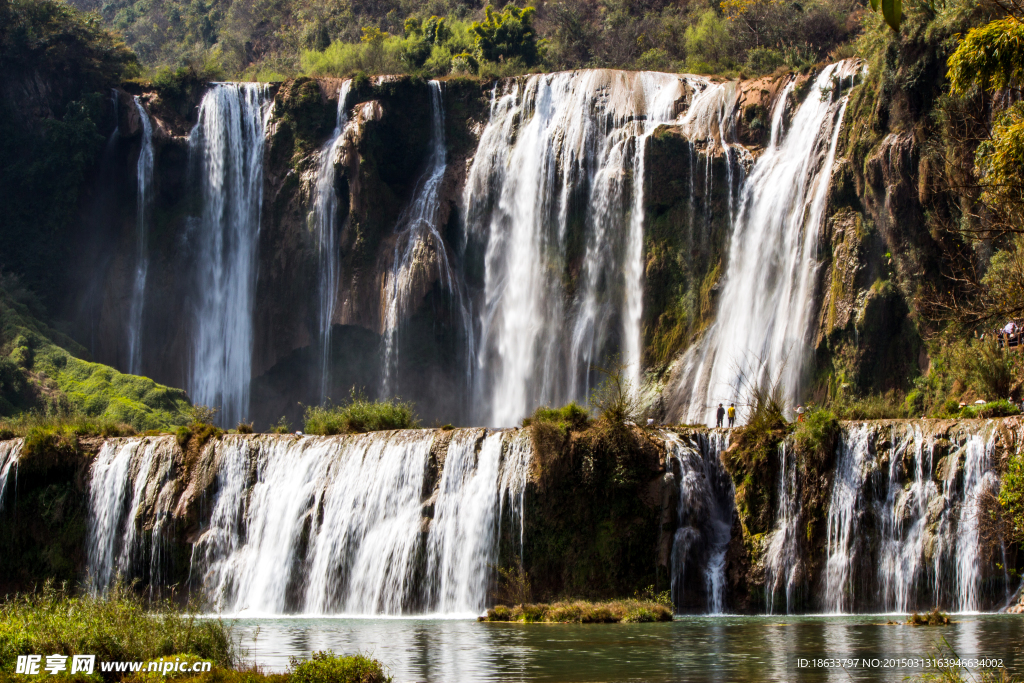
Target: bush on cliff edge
360	415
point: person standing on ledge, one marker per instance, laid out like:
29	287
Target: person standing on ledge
732	415
721	414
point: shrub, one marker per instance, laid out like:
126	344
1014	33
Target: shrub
615	398
1000	408
1011	499
282	427
816	435
200	415
360	415
326	667
507	35
244	428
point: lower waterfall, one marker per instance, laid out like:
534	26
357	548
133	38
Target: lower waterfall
411	521
922	494
384	523
128	477
705	515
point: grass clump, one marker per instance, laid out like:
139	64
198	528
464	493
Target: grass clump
360	415
630	611
115	627
570	417
326	667
59	429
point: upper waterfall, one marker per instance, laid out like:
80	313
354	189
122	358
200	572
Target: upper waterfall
227	147
557	185
144	189
324	216
766	304
418	233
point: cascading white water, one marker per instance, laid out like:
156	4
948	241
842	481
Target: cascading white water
125	473
10	453
847	482
339	524
418	234
978	478
930	549
782	561
324	218
144	184
704	515
902	548
766	304
553	169
227	147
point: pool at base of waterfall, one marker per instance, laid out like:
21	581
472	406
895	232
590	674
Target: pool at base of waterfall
697	649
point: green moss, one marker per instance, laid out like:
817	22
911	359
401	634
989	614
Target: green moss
53	373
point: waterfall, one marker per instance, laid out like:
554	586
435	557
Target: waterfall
548	192
357	525
782	559
902	546
704	515
925	491
845	501
144	183
127	475
418	235
978	477
766	304
10	452
227	147
324	217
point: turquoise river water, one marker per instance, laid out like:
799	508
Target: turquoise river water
723	648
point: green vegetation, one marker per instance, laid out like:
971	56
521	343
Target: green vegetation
120	627
116	627
275	39
65	64
360	415
817	432
41	370
933	618
584	612
326	667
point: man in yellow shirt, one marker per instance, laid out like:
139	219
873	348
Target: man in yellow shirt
732	415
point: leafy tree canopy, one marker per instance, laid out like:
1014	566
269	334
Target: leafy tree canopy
507	35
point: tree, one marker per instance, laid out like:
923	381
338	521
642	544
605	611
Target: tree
507	35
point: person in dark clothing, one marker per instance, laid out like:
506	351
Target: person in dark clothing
721	414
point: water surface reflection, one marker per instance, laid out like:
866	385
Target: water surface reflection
702	649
